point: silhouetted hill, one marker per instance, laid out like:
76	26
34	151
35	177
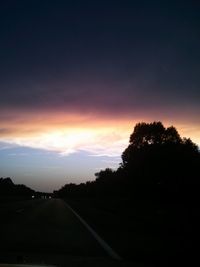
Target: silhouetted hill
8	188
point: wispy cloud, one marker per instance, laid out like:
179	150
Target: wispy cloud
5	145
68	141
18	154
67	133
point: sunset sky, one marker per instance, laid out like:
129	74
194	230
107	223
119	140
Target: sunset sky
75	77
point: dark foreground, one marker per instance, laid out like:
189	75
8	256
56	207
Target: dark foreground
47	232
141	234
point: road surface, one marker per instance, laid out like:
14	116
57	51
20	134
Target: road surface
44	231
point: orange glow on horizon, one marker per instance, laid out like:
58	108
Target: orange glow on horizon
69	133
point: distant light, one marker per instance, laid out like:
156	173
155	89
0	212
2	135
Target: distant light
49	196
33	196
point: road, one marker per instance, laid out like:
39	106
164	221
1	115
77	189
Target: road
44	231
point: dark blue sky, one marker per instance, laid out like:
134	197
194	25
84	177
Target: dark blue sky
152	46
80	66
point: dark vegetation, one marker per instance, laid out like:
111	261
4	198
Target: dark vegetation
157	162
8	188
148	209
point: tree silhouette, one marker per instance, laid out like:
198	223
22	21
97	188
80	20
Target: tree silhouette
156	161
149	134
8	188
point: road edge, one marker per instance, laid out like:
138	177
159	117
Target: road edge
102	242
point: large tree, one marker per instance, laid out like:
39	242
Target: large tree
158	155
149	134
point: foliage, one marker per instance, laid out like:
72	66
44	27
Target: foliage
156	161
8	188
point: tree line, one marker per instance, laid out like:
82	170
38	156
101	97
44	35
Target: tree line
157	163
8	188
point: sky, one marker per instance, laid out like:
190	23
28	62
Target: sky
76	76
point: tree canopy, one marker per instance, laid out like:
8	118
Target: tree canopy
151	136
155	156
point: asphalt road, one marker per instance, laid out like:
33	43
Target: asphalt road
44	231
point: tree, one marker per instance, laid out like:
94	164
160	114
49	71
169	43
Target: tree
104	175
158	155
157	159
147	135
